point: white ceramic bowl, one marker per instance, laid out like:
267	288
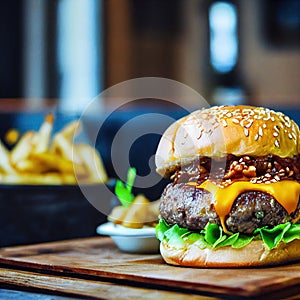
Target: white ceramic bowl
142	240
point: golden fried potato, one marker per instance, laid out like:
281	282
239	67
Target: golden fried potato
141	212
23	148
92	161
38	159
117	214
5	165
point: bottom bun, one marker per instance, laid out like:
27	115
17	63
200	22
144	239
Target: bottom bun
254	254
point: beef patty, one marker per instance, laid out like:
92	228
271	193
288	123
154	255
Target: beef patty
193	208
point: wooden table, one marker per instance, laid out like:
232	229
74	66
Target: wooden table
95	268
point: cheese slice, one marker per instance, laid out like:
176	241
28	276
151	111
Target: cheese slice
286	192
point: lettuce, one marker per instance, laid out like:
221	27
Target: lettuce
214	237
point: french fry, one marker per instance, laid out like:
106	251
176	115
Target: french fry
69	131
30	166
35	159
93	162
41	139
153	212
5	165
53	162
137	213
23	148
64	147
28	178
117	214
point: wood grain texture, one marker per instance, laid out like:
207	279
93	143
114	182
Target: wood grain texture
99	258
69	286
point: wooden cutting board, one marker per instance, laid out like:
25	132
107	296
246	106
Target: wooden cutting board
99	258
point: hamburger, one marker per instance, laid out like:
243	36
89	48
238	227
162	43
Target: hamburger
233	200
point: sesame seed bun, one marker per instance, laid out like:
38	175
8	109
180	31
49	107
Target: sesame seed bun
218	131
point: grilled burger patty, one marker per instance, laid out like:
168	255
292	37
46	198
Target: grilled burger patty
192	208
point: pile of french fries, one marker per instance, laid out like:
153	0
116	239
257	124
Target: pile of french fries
39	158
141	212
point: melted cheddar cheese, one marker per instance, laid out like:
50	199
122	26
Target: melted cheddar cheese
285	192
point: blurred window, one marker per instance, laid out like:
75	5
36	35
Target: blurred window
223	36
79	52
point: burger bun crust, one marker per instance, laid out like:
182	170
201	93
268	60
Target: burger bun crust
252	255
218	131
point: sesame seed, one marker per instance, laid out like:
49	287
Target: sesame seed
249	124
275	134
246	131
276	128
265	125
229	115
272	119
276	143
224	123
276	177
236	121
290	136
256	137
260	131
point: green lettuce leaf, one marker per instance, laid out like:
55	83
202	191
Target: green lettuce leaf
292	234
272	237
161	228
124	191
242	241
175	236
214	237
213	234
197	239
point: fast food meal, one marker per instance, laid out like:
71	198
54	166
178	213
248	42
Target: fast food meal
134	211
39	158
234	196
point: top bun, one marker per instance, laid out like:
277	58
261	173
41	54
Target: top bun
221	130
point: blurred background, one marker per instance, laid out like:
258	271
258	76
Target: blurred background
228	51
57	55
